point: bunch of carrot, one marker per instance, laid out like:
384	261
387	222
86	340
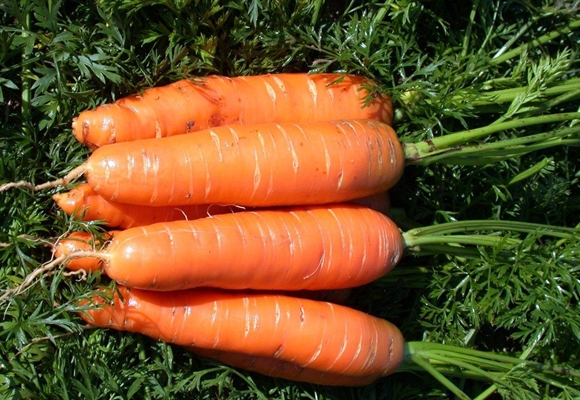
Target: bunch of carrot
241	212
237	204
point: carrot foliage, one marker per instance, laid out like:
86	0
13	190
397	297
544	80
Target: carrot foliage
449	66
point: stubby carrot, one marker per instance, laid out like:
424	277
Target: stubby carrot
249	165
186	106
83	201
297	248
316	335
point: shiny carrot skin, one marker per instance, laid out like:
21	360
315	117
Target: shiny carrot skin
310	334
296	248
272	367
251	165
187	106
85	241
85	202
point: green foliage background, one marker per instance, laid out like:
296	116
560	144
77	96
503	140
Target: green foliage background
436	59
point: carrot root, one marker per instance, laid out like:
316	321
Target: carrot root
321	336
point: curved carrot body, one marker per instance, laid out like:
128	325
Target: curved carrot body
313	248
310	334
252	165
83	200
270	366
187	106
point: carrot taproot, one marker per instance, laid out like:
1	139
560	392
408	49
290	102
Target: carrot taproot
80	241
296	248
83	201
320	336
186	106
275	368
249	165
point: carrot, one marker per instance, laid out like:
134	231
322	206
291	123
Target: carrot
77	242
298	248
273	367
249	165
83	201
316	335
186	106
86	242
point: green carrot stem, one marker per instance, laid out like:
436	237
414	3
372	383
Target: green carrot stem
486	393
419	150
26	80
417	153
424	364
486	225
477	240
491	101
456	361
447	249
467	35
508	95
563	98
533	170
488	156
514	38
573	24
418	347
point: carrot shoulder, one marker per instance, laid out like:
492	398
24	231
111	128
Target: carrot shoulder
251	165
186	106
310	334
312	248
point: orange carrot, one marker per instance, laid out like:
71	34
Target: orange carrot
85	241
315	247
249	165
316	335
85	202
273	367
76	242
187	106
